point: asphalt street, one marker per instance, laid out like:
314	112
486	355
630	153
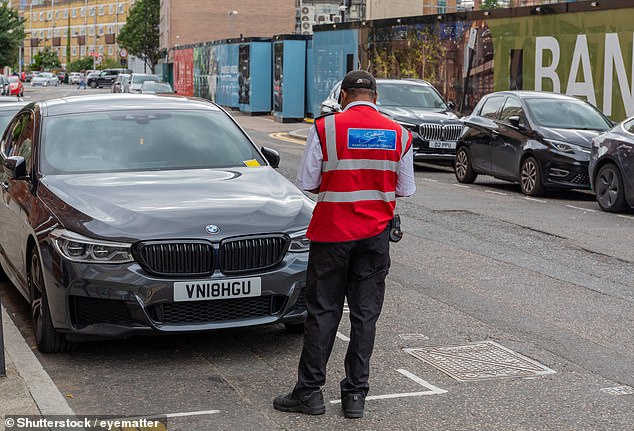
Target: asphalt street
481	275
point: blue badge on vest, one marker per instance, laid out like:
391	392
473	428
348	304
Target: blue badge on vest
371	139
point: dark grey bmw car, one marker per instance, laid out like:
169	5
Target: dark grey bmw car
147	214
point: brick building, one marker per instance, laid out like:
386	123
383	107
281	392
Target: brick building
189	21
93	26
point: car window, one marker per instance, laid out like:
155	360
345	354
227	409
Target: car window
513	107
410	95
491	107
141	79
5	117
628	126
144	140
22	145
566	114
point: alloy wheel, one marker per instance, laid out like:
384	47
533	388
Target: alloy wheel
609	189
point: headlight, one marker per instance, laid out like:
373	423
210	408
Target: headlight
565	147
299	242
79	248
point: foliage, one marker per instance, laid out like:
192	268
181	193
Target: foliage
109	63
490	4
11	34
79	65
140	34
45	60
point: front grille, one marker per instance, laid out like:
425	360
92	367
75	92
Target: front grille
217	310
427	150
581	179
252	253
191	258
89	311
440	132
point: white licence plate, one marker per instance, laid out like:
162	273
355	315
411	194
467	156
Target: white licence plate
442	144
217	289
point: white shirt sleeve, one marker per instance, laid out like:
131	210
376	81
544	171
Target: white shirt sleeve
309	170
405	185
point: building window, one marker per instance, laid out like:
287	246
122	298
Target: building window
110	50
83	50
41	16
57	15
110	29
91	31
121	8
73	13
49	15
83	11
65	15
101	8
111	9
34	18
100	30
73	51
101	49
92	11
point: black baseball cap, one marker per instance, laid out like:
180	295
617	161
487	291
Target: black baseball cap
358	79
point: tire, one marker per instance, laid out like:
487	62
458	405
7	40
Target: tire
463	168
608	188
48	340
531	178
93	84
295	328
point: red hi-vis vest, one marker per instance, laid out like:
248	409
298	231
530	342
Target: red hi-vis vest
361	154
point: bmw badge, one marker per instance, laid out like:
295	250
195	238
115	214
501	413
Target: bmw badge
212	229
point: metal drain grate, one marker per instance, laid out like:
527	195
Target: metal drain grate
479	361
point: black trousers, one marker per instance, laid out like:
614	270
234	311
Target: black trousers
355	270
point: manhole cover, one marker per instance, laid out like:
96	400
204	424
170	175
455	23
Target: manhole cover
479	361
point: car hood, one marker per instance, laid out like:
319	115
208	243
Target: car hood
176	204
583	138
418	115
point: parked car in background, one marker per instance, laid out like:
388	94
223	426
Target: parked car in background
156	87
8	108
137	80
4	86
105	78
30	75
209	237
62	77
73	78
45	79
16	88
612	167
417	106
120	83
541	140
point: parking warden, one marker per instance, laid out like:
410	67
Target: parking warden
358	161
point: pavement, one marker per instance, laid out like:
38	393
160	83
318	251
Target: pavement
27	389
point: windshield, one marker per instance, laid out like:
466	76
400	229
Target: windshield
143	140
13	79
141	79
409	95
566	114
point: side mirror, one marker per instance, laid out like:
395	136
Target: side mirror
15	167
271	156
451	105
515	121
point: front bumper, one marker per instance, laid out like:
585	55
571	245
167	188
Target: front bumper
566	171
423	152
100	300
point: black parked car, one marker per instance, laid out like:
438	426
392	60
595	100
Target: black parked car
541	140
105	78
612	167
154	214
417	106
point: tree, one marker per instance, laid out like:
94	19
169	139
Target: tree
140	34
79	65
490	4
45	60
11	34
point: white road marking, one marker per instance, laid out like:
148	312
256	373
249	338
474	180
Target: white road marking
342	337
430	180
528	198
413	337
582	209
346	308
496	193
433	390
198	413
625	216
461	185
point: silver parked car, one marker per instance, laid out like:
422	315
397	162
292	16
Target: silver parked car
137	80
45	79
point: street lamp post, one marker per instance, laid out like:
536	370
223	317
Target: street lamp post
229	15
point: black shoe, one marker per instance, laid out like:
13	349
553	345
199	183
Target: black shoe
353	405
312	404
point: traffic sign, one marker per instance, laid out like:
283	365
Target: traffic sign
123	53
